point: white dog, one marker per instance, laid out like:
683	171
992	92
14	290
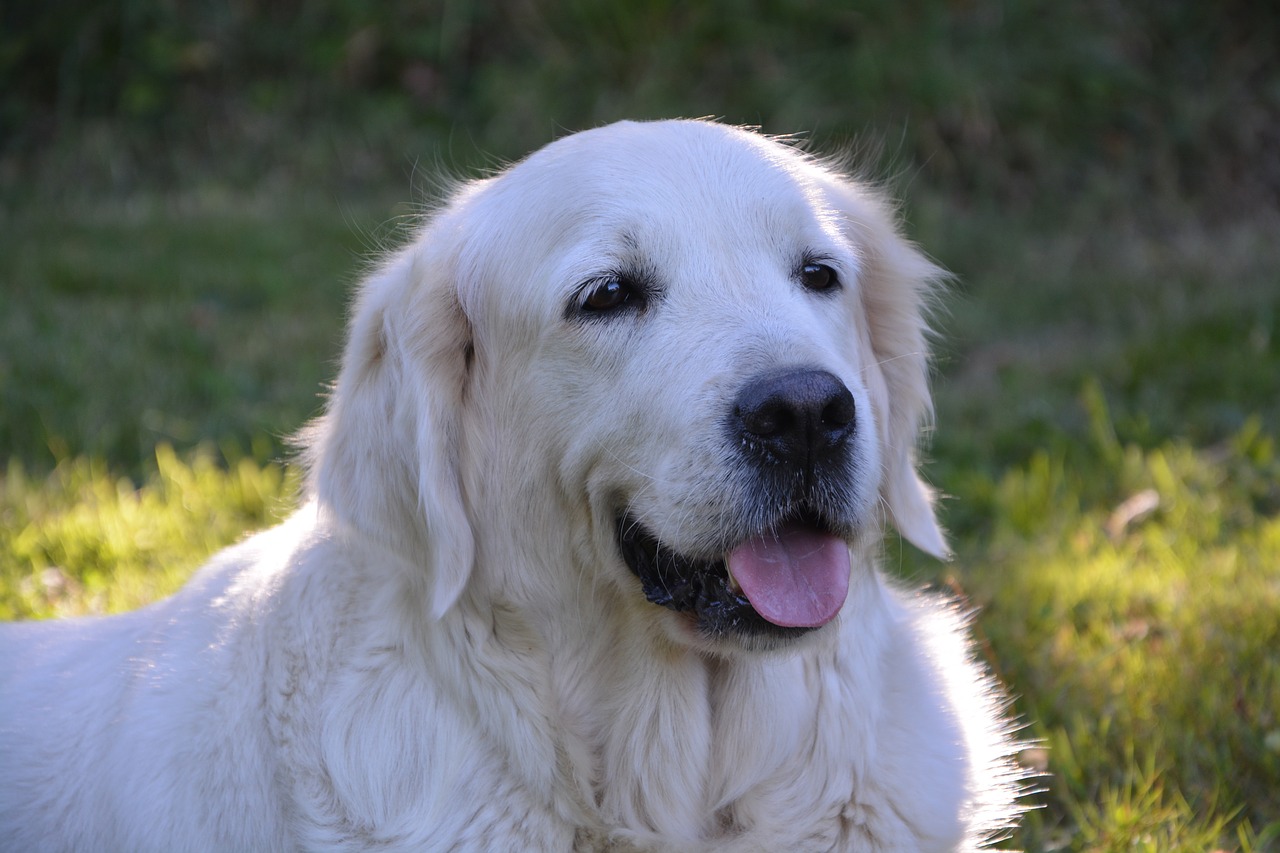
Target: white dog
588	557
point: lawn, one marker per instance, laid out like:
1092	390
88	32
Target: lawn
180	233
1106	436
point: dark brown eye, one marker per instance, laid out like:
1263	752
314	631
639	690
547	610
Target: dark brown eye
607	295
818	277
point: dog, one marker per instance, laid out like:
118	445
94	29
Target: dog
586	560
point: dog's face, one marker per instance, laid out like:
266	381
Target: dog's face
695	360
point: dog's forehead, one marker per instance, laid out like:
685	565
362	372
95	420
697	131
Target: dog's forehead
671	147
673	187
668	167
686	177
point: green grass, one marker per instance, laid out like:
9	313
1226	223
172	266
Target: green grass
1034	101
1077	371
188	191
1144	653
85	540
187	320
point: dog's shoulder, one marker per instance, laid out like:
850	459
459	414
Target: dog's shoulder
946	741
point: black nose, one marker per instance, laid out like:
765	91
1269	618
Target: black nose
800	417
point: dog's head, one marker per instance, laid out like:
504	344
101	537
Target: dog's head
681	357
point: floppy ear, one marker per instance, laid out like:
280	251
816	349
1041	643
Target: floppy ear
895	284
384	457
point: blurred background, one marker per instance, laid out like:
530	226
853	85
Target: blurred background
189	191
1008	100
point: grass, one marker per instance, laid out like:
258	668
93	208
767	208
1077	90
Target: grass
1144	651
191	320
151	362
188	191
995	95
85	540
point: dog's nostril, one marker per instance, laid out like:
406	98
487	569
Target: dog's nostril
799	415
771	418
839	412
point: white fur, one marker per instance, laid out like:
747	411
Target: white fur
442	650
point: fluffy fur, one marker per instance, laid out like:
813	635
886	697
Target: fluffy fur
443	650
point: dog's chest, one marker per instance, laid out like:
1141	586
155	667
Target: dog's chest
594	841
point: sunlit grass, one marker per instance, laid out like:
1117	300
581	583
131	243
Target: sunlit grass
85	540
1143	649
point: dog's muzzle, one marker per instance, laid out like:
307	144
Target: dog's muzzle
789	572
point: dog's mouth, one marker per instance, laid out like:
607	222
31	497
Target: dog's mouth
784	582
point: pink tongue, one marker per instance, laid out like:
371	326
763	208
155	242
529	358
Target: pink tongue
795	577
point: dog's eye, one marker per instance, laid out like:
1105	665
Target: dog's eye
607	294
818	277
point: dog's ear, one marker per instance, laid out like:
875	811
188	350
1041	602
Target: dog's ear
895	285
384	457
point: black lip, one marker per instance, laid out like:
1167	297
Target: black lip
688	585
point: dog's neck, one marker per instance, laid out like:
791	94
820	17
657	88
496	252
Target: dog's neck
666	741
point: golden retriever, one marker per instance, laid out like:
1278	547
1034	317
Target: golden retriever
588	557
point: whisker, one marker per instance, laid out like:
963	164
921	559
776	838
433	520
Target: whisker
615	457
884	361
